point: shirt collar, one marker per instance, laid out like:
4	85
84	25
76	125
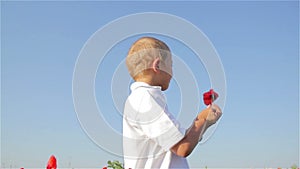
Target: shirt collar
136	85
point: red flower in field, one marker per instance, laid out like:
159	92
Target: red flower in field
209	97
52	163
104	168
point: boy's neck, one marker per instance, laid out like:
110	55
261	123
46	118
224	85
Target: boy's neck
145	80
149	80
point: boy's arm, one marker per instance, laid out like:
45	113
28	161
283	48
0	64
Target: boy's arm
204	120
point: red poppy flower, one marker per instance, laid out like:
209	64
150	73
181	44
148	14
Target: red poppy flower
52	163
209	97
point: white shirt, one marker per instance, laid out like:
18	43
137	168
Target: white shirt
149	130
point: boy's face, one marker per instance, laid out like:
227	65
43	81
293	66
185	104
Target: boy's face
166	73
165	80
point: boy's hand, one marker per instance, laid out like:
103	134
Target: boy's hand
205	119
211	114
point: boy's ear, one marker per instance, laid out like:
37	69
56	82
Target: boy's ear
155	65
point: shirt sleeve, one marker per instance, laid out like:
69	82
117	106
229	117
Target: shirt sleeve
163	128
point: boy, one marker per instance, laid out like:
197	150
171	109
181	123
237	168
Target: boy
152	137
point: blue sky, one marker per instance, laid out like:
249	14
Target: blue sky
257	42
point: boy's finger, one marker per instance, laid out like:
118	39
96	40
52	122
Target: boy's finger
216	108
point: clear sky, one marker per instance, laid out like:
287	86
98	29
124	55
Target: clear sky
258	45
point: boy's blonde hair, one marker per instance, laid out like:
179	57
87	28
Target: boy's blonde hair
143	52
